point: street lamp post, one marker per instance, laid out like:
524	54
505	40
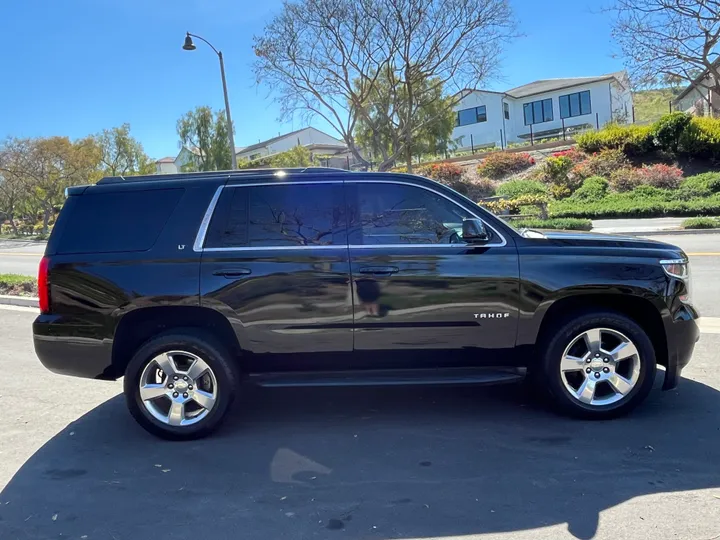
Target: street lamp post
190	46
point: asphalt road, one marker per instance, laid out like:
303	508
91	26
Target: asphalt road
384	463
18	257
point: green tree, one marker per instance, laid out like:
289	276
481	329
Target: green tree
325	57
121	154
44	167
299	156
205	135
381	131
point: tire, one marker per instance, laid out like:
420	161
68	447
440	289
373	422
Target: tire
180	408
603	393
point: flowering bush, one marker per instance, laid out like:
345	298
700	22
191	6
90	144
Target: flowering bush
555	172
661	176
445	173
575	155
500	164
602	163
513	205
625	179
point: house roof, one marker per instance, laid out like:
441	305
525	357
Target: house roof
168	159
263	144
700	78
550	85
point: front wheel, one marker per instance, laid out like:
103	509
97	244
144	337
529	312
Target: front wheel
180	385
598	365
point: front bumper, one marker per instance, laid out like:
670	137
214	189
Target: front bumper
682	334
69	348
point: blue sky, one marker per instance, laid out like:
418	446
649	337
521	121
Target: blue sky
74	67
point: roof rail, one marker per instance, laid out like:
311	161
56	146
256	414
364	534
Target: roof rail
217	174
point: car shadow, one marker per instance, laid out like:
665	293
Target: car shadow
372	462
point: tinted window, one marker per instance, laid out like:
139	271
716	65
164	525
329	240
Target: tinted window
404	214
538	112
576	104
117	221
471	116
282	215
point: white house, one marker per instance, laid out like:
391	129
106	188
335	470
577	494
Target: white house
313	139
486	118
316	141
699	97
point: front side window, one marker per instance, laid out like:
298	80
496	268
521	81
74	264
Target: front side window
472	115
538	112
576	104
283	215
404	214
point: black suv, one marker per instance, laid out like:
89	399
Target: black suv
187	284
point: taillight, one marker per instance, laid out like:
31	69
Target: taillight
44	285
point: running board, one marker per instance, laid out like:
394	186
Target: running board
391	377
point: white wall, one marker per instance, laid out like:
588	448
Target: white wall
483	133
600	102
166	168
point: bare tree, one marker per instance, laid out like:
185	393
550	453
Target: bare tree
325	57
670	40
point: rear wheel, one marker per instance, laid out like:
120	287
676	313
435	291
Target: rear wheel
598	365
180	385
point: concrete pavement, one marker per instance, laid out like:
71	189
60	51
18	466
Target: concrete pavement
409	463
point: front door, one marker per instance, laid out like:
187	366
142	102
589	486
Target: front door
275	262
420	289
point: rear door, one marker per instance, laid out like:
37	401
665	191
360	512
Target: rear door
275	262
420	289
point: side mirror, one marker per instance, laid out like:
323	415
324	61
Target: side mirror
474	231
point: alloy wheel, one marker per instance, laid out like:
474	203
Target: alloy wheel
178	388
600	367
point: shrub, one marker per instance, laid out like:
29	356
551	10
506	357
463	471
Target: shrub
701	138
575	224
515	188
513	205
632	140
482	187
17	285
667	132
661	176
446	173
625	179
556	173
602	163
644	191
500	164
701	185
575	155
592	189
701	223
617	205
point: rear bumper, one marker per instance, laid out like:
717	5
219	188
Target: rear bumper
68	348
682	334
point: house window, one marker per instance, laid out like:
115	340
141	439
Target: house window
473	115
575	104
506	111
538	112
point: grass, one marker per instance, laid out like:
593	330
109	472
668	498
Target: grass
572	224
650	105
701	223
18	285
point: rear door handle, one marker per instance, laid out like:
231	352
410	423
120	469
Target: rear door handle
232	272
380	270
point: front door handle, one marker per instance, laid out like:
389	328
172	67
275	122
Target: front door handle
380	270
232	272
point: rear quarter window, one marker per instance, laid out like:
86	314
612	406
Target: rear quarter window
121	221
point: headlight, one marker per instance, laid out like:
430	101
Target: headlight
679	269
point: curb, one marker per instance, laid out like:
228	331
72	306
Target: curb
24	301
660	233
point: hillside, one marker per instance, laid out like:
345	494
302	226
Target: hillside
650	105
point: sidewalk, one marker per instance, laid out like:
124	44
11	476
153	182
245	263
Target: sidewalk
645	226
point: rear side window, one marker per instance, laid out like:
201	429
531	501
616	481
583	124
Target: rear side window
118	221
283	215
